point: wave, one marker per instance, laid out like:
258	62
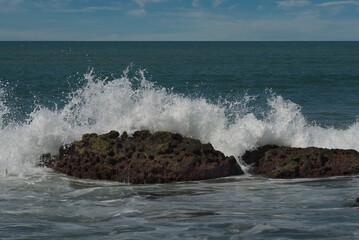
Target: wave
134	103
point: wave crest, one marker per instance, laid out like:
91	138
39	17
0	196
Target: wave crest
134	103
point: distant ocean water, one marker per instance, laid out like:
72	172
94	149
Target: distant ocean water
235	95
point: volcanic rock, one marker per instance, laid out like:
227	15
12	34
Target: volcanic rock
161	157
287	162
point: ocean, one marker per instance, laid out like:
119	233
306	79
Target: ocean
236	95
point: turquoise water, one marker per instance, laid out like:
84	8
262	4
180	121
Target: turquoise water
236	95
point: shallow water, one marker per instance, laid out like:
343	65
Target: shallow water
60	207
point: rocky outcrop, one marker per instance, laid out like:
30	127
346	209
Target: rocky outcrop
286	162
161	157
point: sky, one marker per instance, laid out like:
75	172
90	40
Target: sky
179	20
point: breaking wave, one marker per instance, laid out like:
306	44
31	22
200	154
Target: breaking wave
134	103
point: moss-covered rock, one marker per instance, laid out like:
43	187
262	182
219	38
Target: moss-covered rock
161	157
287	162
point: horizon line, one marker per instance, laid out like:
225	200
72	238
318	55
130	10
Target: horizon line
179	40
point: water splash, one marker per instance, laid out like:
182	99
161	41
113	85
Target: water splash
133	103
4	110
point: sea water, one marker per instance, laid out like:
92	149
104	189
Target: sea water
236	95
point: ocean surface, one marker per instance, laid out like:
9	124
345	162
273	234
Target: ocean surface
236	95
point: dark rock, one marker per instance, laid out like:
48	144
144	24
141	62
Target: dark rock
161	157
357	203
287	162
45	160
252	157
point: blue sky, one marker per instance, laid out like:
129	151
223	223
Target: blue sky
179	20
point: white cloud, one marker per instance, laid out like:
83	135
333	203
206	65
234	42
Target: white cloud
16	1
10	2
337	7
231	8
199	15
338	3
308	14
195	3
293	3
91	9
108	8
216	3
137	12
258	30
206	26
201	25
11	5
142	3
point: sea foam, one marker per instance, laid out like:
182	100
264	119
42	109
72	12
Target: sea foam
130	104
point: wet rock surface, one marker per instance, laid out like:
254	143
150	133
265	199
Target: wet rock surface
161	157
287	162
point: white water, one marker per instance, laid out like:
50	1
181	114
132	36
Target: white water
134	104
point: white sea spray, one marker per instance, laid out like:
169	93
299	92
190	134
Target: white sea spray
3	108
134	103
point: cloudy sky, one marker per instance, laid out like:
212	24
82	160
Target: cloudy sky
188	20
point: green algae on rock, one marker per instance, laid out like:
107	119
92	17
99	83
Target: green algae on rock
161	157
